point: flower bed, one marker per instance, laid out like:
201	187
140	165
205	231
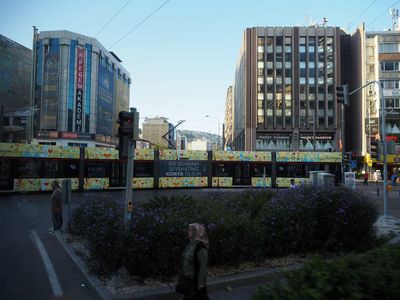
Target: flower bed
251	226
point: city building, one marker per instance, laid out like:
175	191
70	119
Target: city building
184	143
376	56
203	145
153	130
15	90
227	132
284	91
80	88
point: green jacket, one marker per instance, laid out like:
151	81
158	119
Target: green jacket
189	263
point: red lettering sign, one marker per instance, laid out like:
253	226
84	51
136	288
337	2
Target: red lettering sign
80	71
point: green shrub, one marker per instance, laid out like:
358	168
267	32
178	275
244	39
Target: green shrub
371	275
99	221
241	227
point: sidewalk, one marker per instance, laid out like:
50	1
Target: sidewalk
238	286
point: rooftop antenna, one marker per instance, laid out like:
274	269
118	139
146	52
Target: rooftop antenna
394	13
324	21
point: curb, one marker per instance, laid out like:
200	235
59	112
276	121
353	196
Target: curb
98	289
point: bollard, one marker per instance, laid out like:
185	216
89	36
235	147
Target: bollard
377	191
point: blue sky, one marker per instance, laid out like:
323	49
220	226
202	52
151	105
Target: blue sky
183	58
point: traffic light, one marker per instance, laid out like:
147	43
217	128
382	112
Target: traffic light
125	124
342	94
347	156
125	132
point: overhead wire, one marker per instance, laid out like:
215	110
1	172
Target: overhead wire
373	21
364	11
112	18
140	23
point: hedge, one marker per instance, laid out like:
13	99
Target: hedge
249	226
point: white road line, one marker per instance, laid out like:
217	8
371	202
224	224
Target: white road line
51	274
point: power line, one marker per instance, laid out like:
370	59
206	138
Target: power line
140	23
373	21
364	11
112	18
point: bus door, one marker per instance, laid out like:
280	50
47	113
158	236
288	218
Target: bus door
241	174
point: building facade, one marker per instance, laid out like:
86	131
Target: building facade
376	57
153	130
80	88
15	90
228	119
284	92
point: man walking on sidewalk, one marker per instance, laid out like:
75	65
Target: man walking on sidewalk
366	176
56	207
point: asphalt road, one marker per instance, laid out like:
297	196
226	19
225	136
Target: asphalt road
25	273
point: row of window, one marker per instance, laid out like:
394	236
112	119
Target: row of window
389	47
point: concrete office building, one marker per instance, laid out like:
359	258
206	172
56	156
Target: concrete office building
376	56
284	92
15	90
153	130
80	88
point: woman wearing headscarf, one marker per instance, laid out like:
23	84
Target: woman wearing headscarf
192	277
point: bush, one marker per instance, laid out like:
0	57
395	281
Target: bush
99	221
371	275
241	227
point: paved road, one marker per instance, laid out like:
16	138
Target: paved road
33	263
24	222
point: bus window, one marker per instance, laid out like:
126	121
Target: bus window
258	170
71	168
222	170
97	169
143	169
28	168
52	169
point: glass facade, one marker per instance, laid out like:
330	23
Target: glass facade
80	87
105	103
50	90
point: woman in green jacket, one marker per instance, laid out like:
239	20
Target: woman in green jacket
192	278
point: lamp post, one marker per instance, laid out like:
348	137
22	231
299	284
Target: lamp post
383	139
219	123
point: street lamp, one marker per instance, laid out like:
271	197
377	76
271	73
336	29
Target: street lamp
219	123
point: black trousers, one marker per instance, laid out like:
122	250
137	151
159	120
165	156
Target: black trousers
57	220
201	294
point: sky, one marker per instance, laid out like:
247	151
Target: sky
182	58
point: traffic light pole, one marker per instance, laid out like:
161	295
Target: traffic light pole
383	139
128	191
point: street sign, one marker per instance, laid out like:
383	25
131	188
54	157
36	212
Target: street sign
350	180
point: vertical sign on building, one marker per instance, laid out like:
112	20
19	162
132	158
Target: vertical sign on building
80	70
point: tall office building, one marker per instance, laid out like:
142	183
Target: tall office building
80	88
15	90
284	92
376	56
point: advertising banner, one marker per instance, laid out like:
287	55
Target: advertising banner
273	142
183	168
80	70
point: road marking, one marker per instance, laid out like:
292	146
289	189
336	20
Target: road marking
51	273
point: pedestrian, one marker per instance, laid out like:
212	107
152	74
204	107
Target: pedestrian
366	176
292	184
56	206
394	178
192	276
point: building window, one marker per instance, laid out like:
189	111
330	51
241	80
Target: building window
389	65
389	47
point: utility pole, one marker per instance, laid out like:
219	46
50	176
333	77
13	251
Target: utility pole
383	139
128	133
